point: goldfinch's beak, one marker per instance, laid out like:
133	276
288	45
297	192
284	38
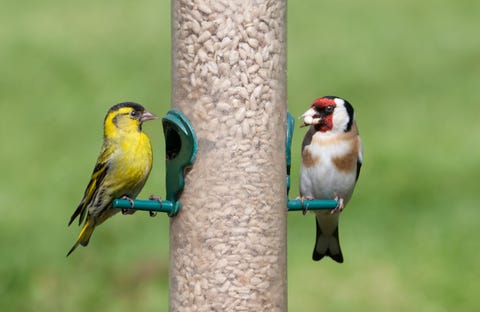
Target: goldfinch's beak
310	117
147	116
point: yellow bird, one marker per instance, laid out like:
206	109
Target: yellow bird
121	170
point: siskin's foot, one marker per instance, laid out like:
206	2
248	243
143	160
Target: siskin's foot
132	203
157	198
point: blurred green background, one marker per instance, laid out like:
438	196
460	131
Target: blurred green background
410	234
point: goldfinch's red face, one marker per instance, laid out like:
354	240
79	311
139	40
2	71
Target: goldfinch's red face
329	113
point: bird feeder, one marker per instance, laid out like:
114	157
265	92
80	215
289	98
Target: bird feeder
228	241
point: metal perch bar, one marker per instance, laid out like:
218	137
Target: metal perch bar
313	204
171	208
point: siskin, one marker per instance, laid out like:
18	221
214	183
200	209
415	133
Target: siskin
121	170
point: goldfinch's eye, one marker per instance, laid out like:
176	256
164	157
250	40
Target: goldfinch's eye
329	109
134	113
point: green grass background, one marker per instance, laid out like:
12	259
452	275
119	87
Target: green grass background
409	235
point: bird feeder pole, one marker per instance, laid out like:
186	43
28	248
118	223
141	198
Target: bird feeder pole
228	241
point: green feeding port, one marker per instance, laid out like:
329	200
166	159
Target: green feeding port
297	204
180	150
288	147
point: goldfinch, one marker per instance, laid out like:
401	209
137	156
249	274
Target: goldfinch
121	170
331	161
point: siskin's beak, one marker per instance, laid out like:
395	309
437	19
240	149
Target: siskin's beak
147	116
310	117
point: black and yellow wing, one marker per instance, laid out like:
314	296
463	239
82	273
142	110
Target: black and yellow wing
98	175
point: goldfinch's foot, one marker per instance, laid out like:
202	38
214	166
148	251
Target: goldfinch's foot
132	203
339	207
302	200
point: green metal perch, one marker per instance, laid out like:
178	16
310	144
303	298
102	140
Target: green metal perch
171	208
181	146
313	204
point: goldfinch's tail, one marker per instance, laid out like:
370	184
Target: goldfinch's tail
327	244
84	236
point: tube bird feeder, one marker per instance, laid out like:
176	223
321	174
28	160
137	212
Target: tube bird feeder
228	241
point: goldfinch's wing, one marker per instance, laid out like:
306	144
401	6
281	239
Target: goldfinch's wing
307	139
98	175
359	157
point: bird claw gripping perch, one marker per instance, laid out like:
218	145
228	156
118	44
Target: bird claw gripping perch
158	199
302	204
180	151
127	211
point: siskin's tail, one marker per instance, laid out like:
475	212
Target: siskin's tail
327	245
84	236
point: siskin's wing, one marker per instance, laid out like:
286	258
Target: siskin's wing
98	175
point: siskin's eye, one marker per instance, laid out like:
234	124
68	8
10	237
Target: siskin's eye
134	113
329	109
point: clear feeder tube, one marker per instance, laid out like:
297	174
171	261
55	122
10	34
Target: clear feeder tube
228	242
